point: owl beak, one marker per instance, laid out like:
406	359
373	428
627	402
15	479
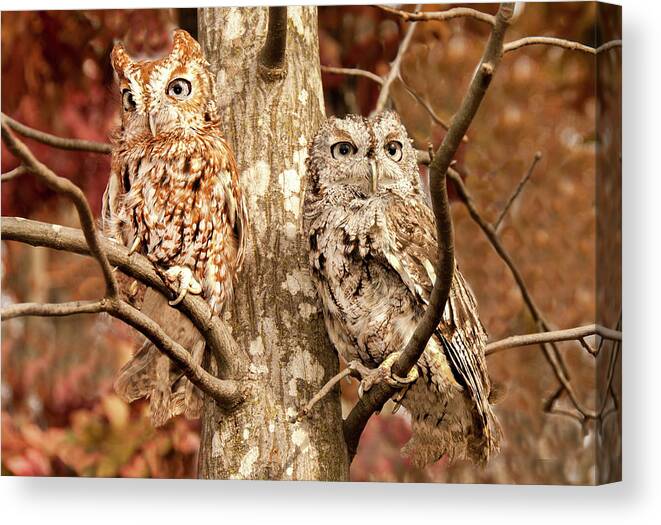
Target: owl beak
374	176
152	124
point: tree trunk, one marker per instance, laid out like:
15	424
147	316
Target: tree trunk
274	315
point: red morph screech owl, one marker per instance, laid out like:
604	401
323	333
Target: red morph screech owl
173	196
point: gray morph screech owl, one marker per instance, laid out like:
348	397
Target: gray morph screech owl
174	196
373	250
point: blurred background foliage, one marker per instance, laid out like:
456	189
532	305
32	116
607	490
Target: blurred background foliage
59	413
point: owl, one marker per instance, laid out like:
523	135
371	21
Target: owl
372	254
173	196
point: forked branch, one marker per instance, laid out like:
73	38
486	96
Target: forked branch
393	74
228	393
273	55
215	332
73	192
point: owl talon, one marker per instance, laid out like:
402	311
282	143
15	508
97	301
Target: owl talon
185	282
384	373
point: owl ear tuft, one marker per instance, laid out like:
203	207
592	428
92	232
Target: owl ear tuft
184	44
120	59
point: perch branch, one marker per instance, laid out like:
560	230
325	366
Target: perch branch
455	12
353	72
272	57
384	94
570	334
73	192
228	393
54	141
517	191
374	399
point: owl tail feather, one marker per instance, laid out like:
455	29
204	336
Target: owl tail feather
150	374
448	427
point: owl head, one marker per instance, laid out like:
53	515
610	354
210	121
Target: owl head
172	94
365	158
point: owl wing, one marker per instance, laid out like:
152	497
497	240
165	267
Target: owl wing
225	214
412	232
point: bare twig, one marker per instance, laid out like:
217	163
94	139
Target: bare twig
394	68
552	354
570	334
352	72
609	45
353	368
517	191
374	399
559	42
438	120
556	359
226	392
69	189
12	174
272	57
57	142
456	12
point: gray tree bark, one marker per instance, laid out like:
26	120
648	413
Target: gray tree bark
274	316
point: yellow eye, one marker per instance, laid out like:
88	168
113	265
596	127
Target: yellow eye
180	88
394	150
343	149
127	100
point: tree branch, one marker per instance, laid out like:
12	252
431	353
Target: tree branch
570	334
69	189
609	45
272	57
353	368
53	310
374	399
54	141
456	12
353	72
559	42
430	111
12	174
232	359
394	68
228	393
517	191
